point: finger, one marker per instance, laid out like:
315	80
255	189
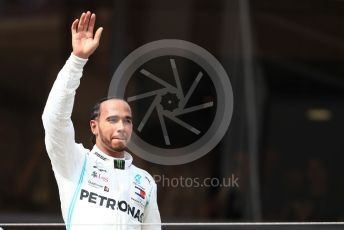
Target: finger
91	23
87	20
74	26
98	34
81	22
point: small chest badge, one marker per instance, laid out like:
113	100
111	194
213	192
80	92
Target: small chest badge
138	179
140	192
119	164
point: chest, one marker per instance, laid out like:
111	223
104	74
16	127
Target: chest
114	190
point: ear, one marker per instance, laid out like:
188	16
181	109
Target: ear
94	126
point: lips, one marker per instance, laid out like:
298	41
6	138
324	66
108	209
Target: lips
119	138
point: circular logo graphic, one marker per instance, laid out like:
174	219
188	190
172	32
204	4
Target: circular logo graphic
181	100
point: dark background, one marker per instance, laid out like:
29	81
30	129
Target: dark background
284	143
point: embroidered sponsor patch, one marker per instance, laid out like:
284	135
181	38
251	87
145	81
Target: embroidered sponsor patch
119	164
111	204
140	192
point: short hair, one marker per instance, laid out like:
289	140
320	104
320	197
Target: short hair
95	113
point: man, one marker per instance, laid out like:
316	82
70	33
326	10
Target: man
101	188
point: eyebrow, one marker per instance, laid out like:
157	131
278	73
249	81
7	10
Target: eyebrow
116	117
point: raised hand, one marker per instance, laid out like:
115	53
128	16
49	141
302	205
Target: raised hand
84	43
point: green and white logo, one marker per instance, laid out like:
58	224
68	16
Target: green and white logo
119	164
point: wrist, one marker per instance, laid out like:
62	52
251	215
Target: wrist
80	55
77	62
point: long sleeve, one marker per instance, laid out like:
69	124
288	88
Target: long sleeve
65	155
152	215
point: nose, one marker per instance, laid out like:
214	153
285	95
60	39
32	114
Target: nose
120	125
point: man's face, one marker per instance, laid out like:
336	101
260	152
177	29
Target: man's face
114	126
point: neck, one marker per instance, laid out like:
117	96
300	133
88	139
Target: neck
110	152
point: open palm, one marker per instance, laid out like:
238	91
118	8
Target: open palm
84	42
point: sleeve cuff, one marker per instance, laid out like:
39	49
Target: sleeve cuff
77	62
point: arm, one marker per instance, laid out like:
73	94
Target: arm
64	153
152	214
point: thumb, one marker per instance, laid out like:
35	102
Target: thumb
98	34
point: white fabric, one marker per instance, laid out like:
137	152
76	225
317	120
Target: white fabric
93	193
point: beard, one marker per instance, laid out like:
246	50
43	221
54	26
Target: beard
120	147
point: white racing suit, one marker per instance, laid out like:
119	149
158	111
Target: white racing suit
96	190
